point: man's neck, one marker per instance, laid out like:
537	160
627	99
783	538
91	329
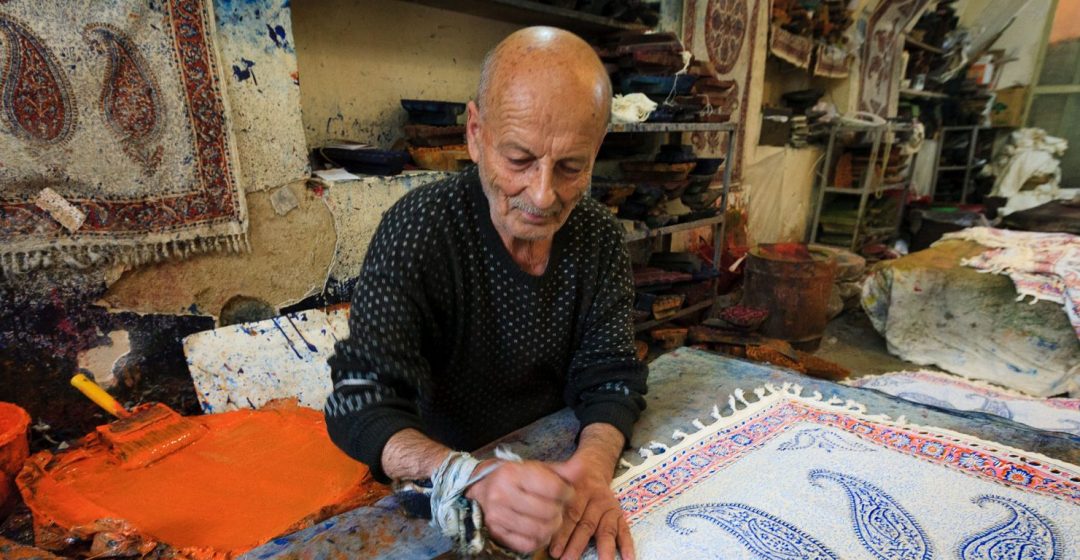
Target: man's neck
530	255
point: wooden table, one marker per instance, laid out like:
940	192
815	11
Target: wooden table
683	385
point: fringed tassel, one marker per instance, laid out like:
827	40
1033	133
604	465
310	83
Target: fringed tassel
80	257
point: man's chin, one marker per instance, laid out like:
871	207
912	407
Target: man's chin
534	232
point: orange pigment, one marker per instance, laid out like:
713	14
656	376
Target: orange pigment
14	447
252	476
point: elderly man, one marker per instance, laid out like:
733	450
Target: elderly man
499	296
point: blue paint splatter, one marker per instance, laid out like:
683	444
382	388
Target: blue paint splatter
277	35
1041	342
246	72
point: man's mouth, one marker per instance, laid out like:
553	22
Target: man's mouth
535	218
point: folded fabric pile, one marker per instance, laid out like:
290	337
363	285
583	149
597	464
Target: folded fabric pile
1045	266
953	392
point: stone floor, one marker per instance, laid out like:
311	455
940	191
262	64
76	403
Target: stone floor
851	341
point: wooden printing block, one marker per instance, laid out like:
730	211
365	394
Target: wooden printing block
666	306
670	338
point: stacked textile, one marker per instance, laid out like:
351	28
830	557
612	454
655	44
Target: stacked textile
1045	266
956	393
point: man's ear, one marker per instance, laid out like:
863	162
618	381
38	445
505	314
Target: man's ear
472	131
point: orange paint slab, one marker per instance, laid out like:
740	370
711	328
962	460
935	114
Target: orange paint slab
252	476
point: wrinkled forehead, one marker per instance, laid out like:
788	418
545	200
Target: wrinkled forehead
546	107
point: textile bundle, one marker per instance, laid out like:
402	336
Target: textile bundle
795	477
118	108
956	393
832	62
1045	266
791	48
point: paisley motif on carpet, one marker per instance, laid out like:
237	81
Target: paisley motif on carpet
118	107
792	477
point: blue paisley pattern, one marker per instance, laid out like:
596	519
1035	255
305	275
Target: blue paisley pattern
991	406
885	528
1026	535
822	438
765	536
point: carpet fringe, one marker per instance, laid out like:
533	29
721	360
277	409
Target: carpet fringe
16	264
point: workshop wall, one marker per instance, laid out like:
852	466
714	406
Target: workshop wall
359	58
1022	39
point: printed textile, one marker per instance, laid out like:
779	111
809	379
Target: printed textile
880	64
789	477
118	107
832	62
956	393
1045	266
731	36
792	48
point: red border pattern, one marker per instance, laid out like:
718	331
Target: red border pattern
212	199
689	466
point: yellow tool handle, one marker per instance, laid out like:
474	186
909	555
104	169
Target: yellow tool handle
94	392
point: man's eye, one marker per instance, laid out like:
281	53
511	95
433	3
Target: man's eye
520	162
571	170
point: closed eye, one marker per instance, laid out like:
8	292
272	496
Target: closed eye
571	169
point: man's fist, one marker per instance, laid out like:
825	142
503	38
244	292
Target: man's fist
522	503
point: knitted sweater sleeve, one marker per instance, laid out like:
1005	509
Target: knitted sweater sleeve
379	370
606	381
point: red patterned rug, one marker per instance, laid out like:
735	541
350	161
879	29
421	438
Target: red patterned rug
118	108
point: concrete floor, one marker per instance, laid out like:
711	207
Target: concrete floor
851	341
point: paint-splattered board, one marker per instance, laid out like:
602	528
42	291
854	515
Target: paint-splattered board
248	365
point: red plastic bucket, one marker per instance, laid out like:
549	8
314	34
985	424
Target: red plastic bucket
14	447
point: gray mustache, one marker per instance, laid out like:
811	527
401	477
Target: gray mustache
520	203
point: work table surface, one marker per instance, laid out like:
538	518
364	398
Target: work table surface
684	385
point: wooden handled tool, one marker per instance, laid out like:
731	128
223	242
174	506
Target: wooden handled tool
94	392
143	435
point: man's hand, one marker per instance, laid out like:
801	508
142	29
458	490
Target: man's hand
523	503
594	511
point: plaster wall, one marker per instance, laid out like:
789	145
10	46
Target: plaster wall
359	58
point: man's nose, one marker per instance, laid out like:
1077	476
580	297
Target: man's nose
542	193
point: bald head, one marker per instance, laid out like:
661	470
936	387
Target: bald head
545	62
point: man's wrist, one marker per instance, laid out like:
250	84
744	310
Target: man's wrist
601	445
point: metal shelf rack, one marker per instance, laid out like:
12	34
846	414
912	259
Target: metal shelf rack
716	222
870	183
969	163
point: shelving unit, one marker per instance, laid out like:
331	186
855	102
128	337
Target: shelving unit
870	183
969	163
912	42
526	12
716	222
918	93
688	310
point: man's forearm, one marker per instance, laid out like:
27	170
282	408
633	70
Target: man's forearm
410	455
601	443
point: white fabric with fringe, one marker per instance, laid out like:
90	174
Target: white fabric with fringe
953	392
790	476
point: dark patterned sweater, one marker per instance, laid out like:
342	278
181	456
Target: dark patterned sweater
449	336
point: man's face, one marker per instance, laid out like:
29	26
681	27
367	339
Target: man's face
535	157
